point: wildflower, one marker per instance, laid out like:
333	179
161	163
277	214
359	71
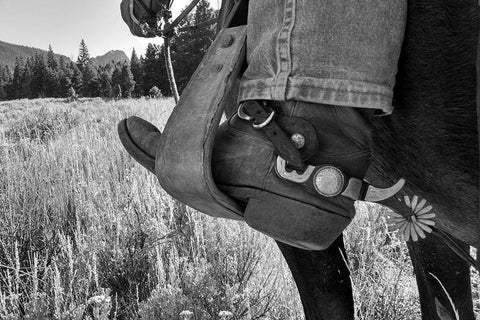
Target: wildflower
225	314
100	299
186	314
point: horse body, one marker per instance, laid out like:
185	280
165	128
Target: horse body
431	139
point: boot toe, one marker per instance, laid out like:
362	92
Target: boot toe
140	138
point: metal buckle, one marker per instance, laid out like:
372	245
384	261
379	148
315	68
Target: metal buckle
241	114
264	123
293	175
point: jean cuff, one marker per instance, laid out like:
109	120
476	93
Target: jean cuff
340	92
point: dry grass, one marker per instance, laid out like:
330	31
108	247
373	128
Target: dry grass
87	233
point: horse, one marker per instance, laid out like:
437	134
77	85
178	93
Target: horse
431	140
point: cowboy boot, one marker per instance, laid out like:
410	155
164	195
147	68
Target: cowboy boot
305	201
299	202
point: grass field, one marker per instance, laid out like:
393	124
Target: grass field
87	233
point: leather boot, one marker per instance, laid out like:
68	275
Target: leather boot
309	214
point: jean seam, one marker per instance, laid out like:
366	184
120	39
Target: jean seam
278	90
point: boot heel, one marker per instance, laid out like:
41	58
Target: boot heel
293	222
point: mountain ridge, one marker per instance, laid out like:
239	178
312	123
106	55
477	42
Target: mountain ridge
9	52
112	55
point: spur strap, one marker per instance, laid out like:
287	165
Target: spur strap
263	118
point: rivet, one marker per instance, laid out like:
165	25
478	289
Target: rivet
298	140
227	41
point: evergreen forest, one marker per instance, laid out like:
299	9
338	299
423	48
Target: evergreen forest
53	76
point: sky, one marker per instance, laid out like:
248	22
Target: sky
63	23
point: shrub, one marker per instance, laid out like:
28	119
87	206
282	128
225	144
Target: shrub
154	92
224	271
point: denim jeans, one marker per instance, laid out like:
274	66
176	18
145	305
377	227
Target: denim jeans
339	52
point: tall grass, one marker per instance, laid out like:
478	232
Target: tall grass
87	233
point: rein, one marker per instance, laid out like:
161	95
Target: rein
452	244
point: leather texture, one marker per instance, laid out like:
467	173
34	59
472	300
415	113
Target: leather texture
243	166
140	138
263	117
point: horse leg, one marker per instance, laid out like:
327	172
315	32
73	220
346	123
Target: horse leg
441	275
323	281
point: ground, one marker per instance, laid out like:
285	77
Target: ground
86	232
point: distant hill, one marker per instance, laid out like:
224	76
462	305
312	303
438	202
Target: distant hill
113	55
9	51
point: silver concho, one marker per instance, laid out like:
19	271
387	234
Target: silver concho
328	181
298	140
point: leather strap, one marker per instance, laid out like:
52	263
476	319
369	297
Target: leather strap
263	119
328	181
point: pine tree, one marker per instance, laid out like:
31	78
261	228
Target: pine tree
38	87
5	79
127	82
77	78
83	55
154	71
64	82
65	74
137	71
26	80
150	66
90	81
105	81
190	46
15	88
52	76
51	60
62	64
52	85
117	76
204	12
